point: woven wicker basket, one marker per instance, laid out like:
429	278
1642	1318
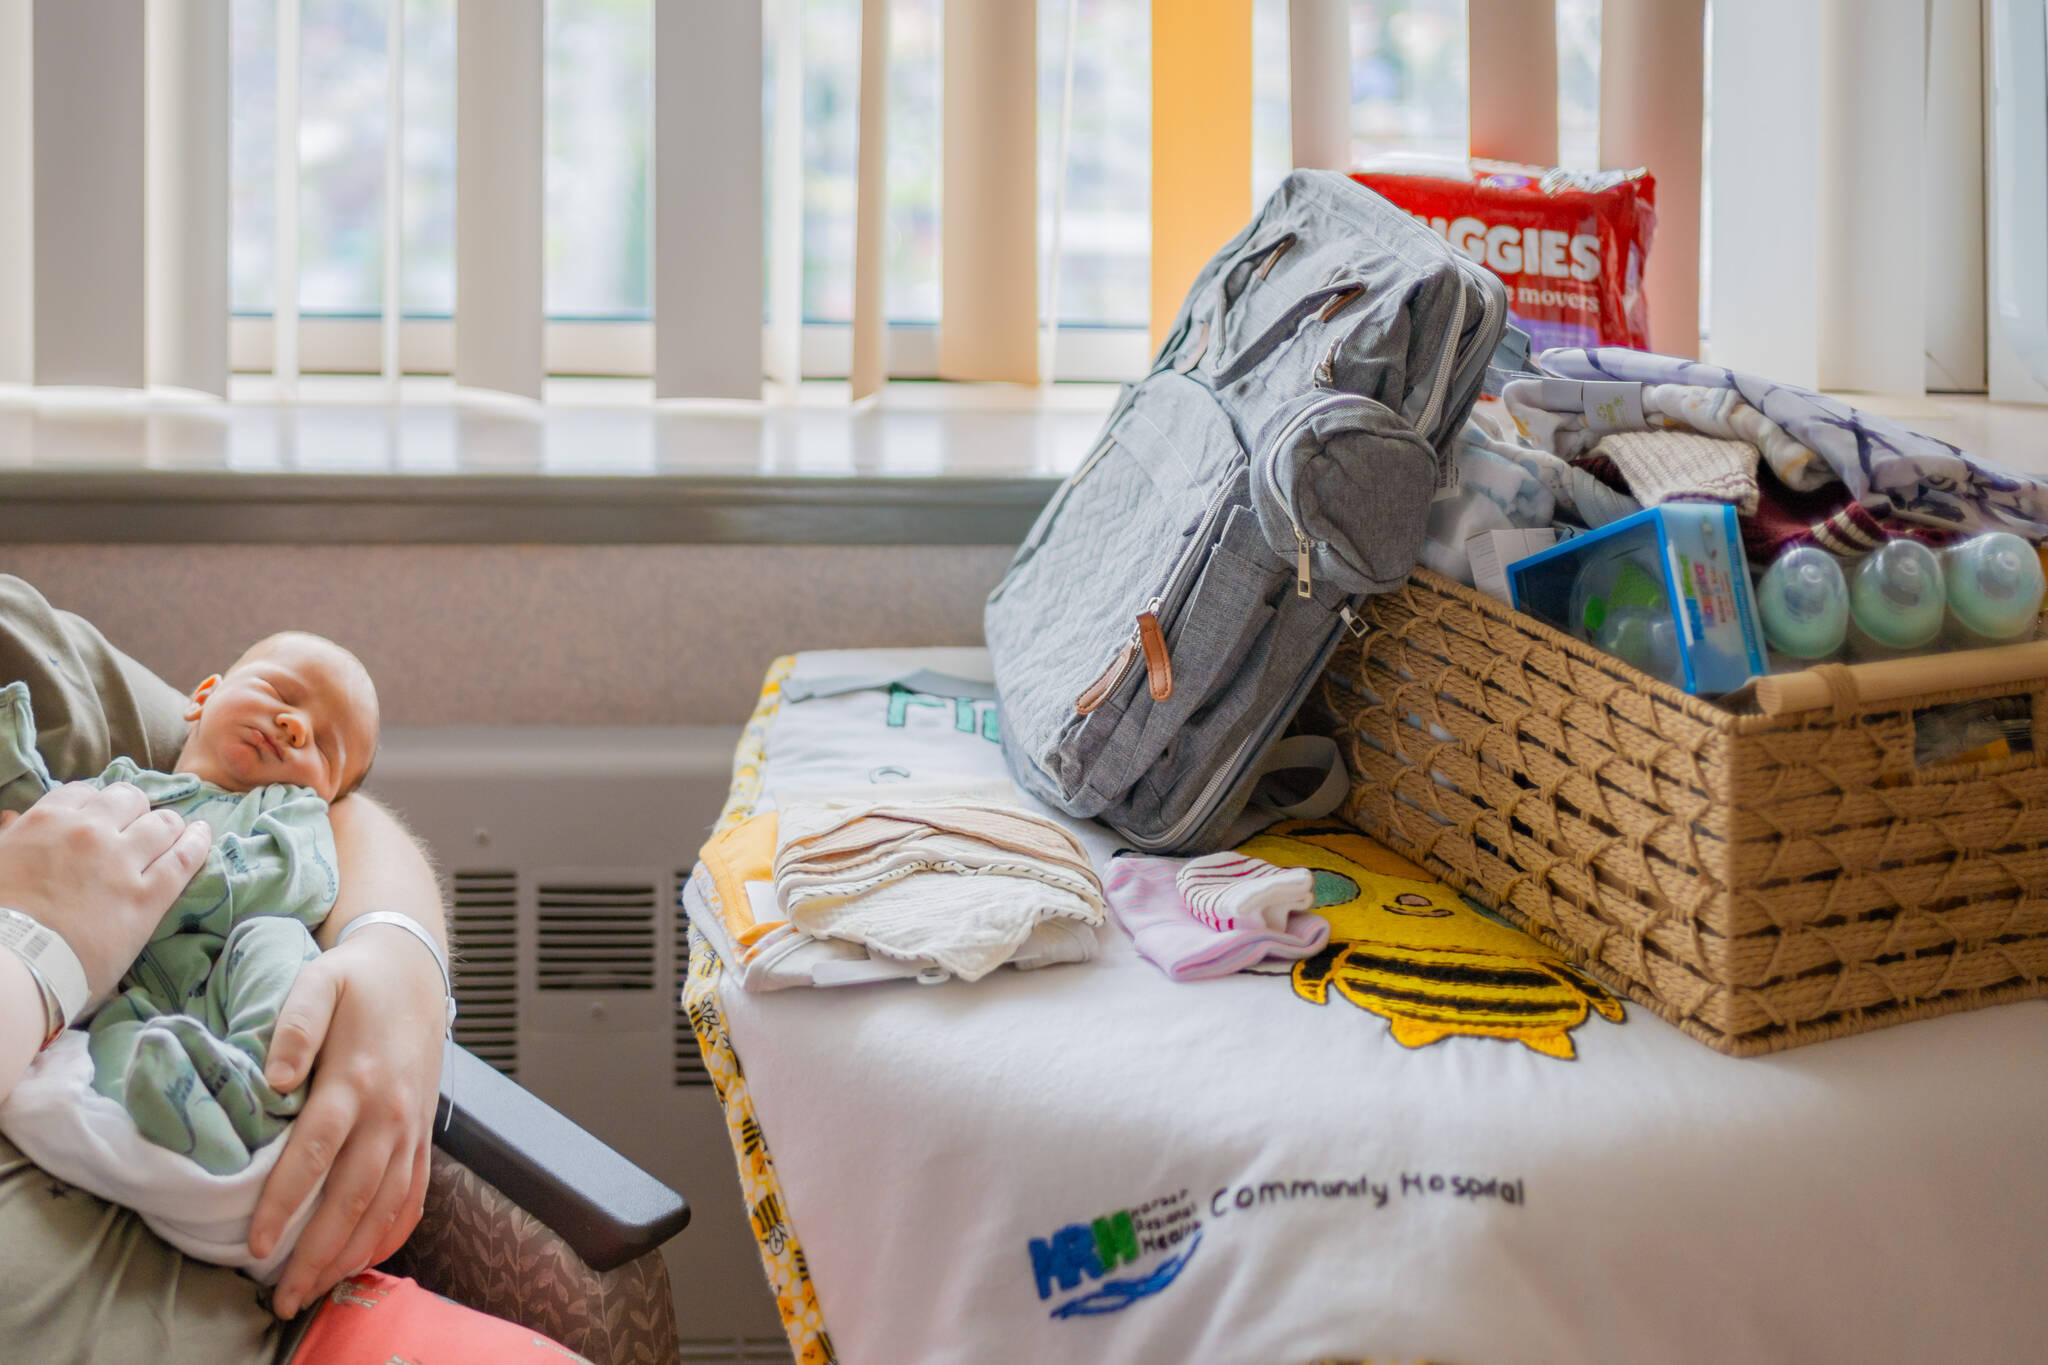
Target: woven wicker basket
1760	881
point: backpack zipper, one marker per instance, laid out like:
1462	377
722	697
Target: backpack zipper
1325	376
1269	460
1126	658
1489	307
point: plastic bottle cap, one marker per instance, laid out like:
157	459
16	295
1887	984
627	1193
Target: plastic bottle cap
1995	586
1804	603
1898	595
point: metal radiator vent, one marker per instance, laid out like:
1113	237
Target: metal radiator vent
487	966
597	937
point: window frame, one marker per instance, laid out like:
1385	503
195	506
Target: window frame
352	344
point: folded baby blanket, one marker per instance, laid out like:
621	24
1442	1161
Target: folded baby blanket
959	883
730	898
1568	417
1928	481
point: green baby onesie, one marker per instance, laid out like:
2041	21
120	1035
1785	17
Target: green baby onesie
182	1045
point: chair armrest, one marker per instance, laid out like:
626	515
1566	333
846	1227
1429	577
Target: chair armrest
477	1247
607	1209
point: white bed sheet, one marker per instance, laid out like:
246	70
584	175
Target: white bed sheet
1875	1198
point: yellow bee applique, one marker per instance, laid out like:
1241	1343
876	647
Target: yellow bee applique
1405	947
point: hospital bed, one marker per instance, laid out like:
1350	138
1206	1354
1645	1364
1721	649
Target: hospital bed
1383	1157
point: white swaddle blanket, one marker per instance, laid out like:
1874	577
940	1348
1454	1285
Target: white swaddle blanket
85	1139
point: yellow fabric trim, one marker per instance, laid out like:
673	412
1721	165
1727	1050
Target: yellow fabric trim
781	1257
1201	141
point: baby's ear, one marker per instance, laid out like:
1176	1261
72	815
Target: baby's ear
199	696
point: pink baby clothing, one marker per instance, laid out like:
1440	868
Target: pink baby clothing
1231	891
1146	900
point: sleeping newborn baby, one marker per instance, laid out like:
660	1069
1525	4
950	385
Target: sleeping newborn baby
290	727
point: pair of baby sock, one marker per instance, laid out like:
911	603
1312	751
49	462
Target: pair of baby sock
1232	891
1250	910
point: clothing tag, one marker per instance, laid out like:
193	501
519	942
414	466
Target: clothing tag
1448	477
1609	405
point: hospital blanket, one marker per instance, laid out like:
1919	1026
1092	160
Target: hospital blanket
1433	1139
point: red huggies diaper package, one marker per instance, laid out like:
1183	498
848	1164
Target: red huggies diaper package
1569	245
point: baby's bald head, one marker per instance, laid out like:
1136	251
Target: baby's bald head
295	707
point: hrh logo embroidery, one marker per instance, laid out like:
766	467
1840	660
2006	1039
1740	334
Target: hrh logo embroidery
969	716
1406	947
1109	1263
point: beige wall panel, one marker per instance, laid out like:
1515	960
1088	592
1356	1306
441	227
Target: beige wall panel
526	634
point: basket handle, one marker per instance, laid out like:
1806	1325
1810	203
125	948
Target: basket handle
1846	687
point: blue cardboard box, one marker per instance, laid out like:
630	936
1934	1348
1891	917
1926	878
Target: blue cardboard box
1703	635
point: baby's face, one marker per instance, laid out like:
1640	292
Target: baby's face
296	709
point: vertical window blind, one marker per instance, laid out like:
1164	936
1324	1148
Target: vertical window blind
122	124
1847	224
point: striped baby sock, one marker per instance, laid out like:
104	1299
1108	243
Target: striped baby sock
1231	891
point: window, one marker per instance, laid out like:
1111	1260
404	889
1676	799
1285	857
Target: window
1409	92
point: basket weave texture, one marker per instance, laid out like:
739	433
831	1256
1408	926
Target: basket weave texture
1761	882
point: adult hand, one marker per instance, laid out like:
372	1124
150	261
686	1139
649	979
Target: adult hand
100	867
373	1011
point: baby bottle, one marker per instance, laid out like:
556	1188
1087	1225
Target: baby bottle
1804	602
1619	606
1994	589
1896	599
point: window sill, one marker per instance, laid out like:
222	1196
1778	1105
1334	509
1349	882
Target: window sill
597	463
600	463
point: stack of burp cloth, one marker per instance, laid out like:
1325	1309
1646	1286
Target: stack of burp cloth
839	888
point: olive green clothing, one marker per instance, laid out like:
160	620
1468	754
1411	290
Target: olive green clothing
82	1280
93	703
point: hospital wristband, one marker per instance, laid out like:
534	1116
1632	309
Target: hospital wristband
58	973
418	931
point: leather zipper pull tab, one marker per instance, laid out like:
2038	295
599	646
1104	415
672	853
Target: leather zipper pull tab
1158	663
1098	691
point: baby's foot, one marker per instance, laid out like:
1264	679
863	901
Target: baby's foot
173	1109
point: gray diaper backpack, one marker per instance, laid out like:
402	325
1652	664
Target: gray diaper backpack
1179	595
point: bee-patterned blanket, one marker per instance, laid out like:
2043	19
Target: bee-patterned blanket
1433	1139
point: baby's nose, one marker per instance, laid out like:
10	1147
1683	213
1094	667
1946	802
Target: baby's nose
294	726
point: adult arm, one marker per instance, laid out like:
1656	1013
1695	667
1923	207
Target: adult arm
373	1012
99	867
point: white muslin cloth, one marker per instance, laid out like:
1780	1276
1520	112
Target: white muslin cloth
961	883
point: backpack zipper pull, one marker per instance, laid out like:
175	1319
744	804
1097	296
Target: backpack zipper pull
1352	622
1158	662
1148	642
1303	585
1326	368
